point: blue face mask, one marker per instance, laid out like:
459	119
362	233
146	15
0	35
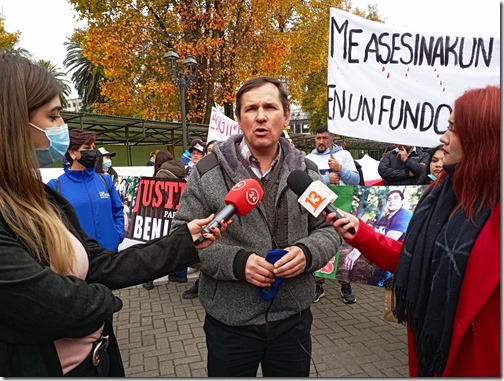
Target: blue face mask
59	140
107	163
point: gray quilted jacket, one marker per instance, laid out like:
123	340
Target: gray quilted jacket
223	291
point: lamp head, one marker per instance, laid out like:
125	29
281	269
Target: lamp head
171	55
190	61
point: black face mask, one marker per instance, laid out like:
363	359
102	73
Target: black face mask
88	158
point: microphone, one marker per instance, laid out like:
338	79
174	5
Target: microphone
299	182
241	199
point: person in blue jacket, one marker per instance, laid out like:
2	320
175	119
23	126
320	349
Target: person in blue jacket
93	196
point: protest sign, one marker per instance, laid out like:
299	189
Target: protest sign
388	216
221	127
150	204
343	201
394	85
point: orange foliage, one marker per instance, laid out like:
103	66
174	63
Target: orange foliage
232	40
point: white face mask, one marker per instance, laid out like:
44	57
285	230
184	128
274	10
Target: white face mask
59	141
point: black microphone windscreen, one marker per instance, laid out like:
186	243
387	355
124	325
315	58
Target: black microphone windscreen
298	181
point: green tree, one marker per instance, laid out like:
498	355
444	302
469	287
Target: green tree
86	76
60	77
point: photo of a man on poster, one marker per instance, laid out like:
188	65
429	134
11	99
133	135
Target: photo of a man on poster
389	210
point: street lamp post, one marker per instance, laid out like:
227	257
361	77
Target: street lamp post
183	80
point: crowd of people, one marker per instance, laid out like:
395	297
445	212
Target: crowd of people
59	242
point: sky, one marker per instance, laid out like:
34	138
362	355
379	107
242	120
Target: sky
46	24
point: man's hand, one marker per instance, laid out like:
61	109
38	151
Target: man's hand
335	165
291	264
350	259
258	271
402	154
334	178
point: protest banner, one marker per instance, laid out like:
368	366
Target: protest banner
343	202
372	205
221	127
150	204
53	173
394	85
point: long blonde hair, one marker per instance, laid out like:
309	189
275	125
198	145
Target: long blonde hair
24	87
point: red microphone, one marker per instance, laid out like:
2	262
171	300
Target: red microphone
241	199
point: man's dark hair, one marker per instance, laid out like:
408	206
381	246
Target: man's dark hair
257	82
321	129
396	191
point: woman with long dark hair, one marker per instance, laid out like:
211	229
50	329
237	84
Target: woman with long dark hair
55	281
166	167
434	167
104	163
447	270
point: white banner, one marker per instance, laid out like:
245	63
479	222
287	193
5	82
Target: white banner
395	85
221	127
53	173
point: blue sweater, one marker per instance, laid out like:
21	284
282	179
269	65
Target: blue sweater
100	211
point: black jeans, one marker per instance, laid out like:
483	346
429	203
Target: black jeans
238	351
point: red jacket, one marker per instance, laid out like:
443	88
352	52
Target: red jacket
475	342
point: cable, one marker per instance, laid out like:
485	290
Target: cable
300	344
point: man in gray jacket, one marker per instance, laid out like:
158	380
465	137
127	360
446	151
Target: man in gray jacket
243	330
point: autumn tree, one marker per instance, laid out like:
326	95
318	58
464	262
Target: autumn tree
232	40
309	69
8	41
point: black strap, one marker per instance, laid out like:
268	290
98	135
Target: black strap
361	175
104	182
310	165
207	163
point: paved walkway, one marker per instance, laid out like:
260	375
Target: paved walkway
161	335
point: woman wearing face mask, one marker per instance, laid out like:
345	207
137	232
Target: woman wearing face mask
93	196
104	163
435	167
55	281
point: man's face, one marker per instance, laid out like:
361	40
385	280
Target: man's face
394	202
262	118
196	156
322	141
